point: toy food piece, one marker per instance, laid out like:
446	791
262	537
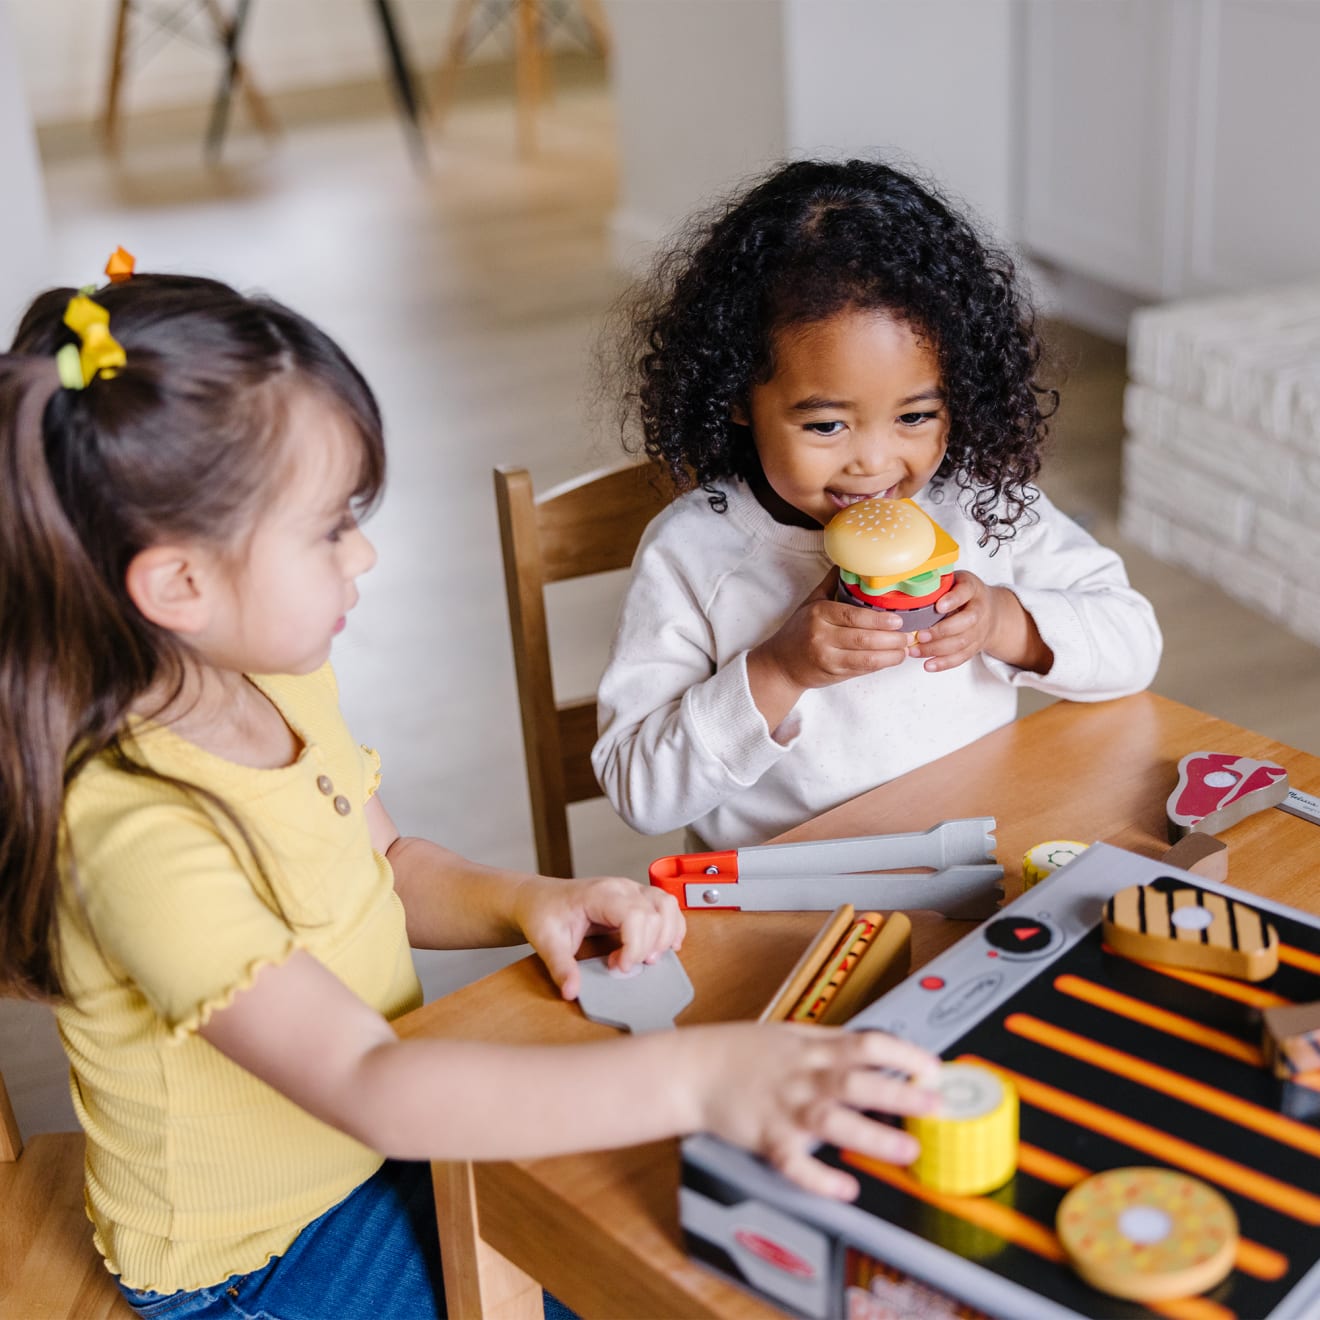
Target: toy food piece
969	1145
1301	1097
1184	926
892	556
1290	1038
1046	858
836	968
1148	1234
1202	853
1218	789
883	964
807	968
854	959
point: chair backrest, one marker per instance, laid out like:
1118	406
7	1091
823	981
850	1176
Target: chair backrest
11	1143
48	1265
590	525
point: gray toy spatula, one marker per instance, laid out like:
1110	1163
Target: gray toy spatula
646	998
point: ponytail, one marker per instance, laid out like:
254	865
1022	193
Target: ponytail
55	621
178	440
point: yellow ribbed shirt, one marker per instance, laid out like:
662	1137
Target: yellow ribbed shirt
195	1169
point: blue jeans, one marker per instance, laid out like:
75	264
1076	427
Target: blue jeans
374	1256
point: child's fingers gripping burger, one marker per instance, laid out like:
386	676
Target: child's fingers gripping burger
892	556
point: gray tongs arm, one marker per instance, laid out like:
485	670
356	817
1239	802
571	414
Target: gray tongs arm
971	893
967	842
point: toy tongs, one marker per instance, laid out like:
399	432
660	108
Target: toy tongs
963	879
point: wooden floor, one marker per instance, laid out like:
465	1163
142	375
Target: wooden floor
471	297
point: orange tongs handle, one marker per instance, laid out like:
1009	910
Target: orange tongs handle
674	874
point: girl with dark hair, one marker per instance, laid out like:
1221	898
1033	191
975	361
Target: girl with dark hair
196	868
837	332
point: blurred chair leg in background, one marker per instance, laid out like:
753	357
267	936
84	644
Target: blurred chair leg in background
167	22
405	86
533	23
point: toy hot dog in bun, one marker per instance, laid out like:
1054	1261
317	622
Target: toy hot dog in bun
892	556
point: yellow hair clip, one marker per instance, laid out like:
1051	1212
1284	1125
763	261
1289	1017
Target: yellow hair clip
100	353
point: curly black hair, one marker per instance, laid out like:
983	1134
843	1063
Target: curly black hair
808	240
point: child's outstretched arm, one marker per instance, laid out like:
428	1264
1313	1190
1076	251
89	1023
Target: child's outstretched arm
774	1089
452	903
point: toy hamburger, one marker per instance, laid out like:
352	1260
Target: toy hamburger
892	556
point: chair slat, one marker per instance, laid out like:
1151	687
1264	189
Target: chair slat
577	736
583	527
48	1265
594	526
11	1140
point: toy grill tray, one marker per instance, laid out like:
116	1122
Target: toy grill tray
1117	1063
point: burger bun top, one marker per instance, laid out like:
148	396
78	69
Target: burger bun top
880	538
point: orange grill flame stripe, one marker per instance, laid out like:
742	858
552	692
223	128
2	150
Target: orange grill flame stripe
1172	1024
1279	1196
1275	1126
1299	958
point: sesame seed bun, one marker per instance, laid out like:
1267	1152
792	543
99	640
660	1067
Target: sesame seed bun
880	538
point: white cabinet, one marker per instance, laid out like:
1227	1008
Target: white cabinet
1254	204
1170	146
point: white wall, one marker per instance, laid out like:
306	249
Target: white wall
24	234
708	91
923	82
699	94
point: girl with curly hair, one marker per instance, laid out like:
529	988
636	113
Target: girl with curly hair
835	333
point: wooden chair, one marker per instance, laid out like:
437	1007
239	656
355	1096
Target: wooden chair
532	22
48	1266
591	525
224	28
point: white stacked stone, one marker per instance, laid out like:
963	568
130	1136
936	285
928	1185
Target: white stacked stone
1221	461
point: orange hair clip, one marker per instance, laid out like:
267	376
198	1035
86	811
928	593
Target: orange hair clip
120	266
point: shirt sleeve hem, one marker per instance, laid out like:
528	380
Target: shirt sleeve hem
198	1018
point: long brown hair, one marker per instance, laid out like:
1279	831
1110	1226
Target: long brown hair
181	442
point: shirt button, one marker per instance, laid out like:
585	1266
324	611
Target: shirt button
324	783
342	805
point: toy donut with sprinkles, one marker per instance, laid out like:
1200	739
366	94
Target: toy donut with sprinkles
892	556
1148	1234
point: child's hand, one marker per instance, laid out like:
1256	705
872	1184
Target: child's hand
980	618
969	617
557	915
825	641
778	1090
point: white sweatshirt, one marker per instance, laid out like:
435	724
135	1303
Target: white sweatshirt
681	741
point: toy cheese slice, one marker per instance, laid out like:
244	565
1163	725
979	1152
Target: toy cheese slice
1183	926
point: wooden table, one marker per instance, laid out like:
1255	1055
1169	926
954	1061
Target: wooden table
601	1231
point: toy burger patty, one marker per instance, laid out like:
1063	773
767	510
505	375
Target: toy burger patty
891	554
